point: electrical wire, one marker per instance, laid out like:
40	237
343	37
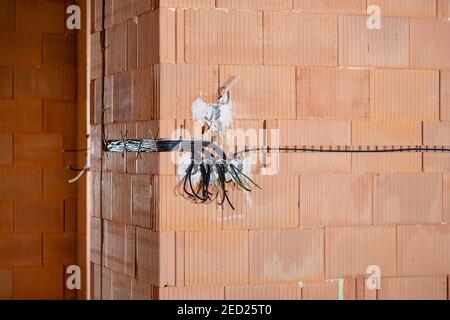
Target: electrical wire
391	150
209	173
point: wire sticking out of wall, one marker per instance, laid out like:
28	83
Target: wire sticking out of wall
207	173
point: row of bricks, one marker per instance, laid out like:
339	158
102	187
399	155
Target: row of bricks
119	11
326	133
36	249
26	182
36	49
271	256
374	133
41	149
33	16
307	200
39	215
271	38
45	282
38	116
310	133
109	284
289	163
274	92
28	82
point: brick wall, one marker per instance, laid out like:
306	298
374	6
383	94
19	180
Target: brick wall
313	70
39	222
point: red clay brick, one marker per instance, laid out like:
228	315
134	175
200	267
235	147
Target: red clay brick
279	194
38	283
96	56
232	36
350	250
6	143
407	198
60	117
158	27
341	289
106	184
423	250
255	4
436	133
386	162
386	133
443	8
97	15
44	82
116	48
38	149
335	199
191	293
20	182
6	78
413	288
445	93
142	195
121	198
121	11
387	47
287	255
141	290
309	162
175	213
181	84
7	15
430	47
436	162
122	97
20	249
59	50
332	93
186	3
132	46
119	247
264	292
145	92
318	31
243	133
96	236
326	6
404	94
38	215
6	283
47	17
446	203
55	183
314	132
6	216
71	218
20	49
406	8
216	258
60	249
262	92
21	116
155	260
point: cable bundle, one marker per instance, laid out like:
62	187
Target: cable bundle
206	174
206	180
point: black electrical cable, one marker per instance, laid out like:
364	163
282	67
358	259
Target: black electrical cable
208	159
287	149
